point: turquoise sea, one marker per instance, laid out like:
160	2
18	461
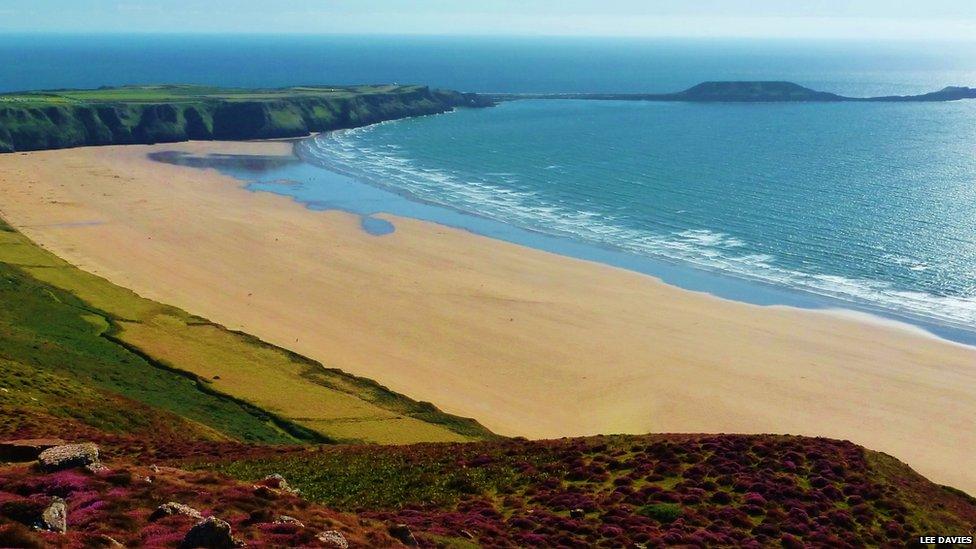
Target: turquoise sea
864	206
868	204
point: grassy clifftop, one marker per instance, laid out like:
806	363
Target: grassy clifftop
153	114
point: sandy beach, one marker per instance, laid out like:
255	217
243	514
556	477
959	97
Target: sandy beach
527	342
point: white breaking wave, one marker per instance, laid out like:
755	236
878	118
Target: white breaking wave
487	196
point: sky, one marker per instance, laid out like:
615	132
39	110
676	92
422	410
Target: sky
832	19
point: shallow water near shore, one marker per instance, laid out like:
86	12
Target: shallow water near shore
318	188
869	207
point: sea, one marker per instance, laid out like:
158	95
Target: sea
862	206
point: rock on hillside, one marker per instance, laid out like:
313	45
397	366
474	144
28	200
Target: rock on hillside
210	533
613	491
117	505
173	508
68	456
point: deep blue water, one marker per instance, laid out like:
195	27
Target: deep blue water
489	64
869	206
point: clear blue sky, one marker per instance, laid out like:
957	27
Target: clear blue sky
864	19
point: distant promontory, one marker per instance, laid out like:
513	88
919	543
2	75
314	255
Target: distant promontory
156	114
749	92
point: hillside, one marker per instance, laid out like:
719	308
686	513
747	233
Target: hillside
192	420
154	114
131	365
620	491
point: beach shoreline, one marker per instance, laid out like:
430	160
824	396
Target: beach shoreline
734	286
528	342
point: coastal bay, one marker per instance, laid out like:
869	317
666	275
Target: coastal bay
527	342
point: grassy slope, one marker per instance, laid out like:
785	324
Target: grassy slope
151	114
700	490
56	362
74	363
651	491
118	503
83	329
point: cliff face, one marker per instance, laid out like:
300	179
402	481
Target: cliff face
36	125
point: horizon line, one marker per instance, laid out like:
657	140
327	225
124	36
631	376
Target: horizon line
488	35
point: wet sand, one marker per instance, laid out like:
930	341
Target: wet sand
527	342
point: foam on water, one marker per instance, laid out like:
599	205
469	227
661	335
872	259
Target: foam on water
507	196
873	204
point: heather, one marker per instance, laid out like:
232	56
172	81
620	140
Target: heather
725	490
605	491
118	502
181	449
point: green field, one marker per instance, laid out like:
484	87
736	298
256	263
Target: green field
190	93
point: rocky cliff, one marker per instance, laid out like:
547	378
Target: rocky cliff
56	121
